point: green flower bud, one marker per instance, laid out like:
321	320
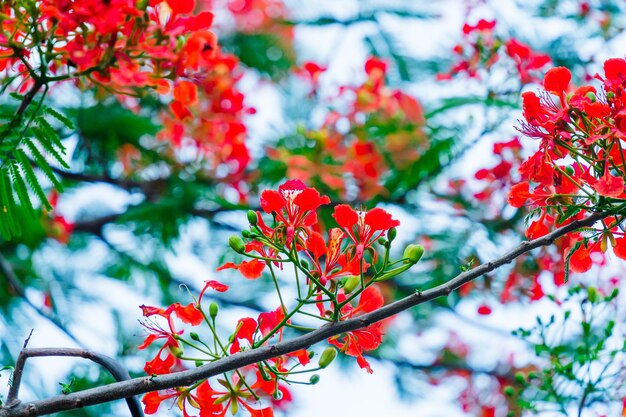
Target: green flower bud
252	217
278	395
236	243
194	336
413	253
314	379
382	241
329	355
199	363
142	4
592	294
509	391
610	95
391	234
213	308
246	233
304	264
519	378
176	351
351	283
569	170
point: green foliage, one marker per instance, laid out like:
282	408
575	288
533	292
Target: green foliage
580	363
23	143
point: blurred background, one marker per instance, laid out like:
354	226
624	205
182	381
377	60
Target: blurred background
408	105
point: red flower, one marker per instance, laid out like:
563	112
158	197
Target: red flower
369	338
246	328
557	80
363	227
484	310
152	400
294	205
580	261
336	263
609	185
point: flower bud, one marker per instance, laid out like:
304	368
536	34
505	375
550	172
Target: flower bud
194	336
329	354
199	363
213	309
592	294
142	4
413	253
252	218
382	241
175	350
236	243
304	264
246	233
509	391
391	234
351	283
315	378
277	395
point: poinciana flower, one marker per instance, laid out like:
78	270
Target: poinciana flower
364	227
336	262
294	206
368	338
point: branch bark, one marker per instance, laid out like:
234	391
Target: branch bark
115	368
142	385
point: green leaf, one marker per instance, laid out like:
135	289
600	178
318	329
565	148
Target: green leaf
31	178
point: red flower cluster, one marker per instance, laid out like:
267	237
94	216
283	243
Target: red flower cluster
381	130
325	263
579	166
482	48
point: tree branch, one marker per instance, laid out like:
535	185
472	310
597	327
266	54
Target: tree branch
184	378
115	368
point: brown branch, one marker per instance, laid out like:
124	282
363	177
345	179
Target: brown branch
184	378
115	368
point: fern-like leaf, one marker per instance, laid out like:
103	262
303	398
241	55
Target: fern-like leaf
60	117
21	189
50	133
9	225
43	164
49	146
31	178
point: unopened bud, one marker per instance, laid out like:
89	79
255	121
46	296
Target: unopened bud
382	241
592	294
176	351
509	391
213	309
278	394
391	234
328	356
351	283
314	379
610	95
252	217
236	243
199	363
413	253
142	4
194	336
245	233
304	264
